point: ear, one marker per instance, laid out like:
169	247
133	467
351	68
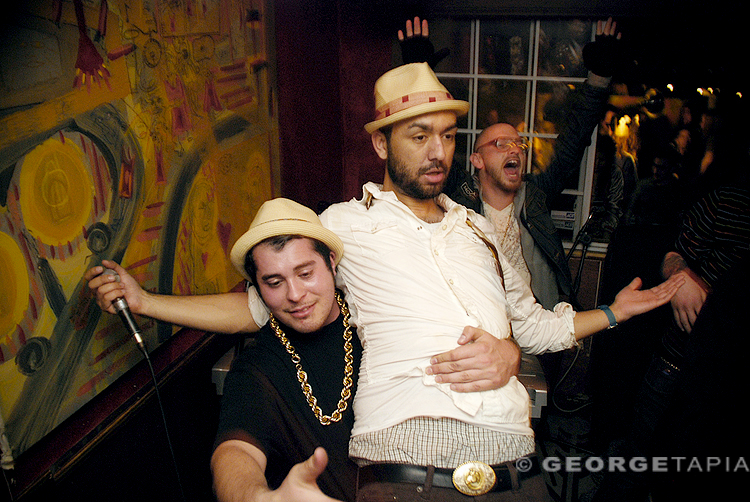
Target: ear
380	143
476	160
332	257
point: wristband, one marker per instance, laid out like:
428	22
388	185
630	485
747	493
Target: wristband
610	315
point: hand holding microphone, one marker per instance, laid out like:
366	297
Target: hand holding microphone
106	291
123	310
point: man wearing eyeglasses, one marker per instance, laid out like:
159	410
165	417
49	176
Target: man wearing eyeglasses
516	203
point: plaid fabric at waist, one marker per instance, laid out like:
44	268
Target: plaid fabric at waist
441	442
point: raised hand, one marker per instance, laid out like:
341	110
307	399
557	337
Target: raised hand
604	56
416	46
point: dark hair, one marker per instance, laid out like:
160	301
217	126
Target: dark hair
387	131
278	242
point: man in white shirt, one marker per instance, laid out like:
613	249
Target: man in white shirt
416	268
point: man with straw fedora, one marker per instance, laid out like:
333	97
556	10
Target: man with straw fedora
417	269
289	392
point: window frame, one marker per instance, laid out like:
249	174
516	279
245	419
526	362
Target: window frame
532	79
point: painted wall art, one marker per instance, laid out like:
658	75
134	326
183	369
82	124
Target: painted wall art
141	131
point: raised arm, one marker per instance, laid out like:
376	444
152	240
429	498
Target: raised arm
588	105
218	313
239	468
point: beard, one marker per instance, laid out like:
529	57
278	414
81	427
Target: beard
408	181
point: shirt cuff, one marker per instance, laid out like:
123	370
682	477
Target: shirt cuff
257	307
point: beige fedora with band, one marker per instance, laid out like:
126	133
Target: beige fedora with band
408	91
283	217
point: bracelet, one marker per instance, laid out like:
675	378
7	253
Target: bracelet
610	315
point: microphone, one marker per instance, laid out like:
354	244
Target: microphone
121	306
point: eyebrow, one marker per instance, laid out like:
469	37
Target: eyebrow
296	269
426	127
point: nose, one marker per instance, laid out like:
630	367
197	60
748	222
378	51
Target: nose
437	149
295	291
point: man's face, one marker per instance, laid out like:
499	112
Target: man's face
296	284
501	170
420	153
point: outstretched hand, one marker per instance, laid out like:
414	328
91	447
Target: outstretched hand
604	56
300	484
482	362
632	301
416	46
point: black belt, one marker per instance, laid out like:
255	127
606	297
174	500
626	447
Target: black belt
524	468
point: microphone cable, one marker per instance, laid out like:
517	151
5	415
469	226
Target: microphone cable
121	306
142	348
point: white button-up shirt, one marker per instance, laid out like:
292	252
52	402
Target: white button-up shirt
412	287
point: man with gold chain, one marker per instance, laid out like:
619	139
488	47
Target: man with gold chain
289	393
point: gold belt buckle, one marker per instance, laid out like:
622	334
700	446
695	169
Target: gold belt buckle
474	478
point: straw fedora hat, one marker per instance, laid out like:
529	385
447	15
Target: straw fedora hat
408	91
283	217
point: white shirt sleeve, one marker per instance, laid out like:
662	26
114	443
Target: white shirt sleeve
257	306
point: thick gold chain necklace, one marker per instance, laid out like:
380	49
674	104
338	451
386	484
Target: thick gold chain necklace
346	392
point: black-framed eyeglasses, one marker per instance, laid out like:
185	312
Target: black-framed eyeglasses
505	144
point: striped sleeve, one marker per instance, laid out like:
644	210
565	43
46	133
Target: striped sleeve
716	232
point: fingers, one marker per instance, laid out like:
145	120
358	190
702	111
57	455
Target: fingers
414	29
92	272
683	320
607	28
483	362
105	288
668	288
473	384
685	317
315	465
635	284
470	334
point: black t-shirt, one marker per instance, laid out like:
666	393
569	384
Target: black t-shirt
263	404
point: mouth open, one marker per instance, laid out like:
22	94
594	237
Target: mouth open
434	175
513	168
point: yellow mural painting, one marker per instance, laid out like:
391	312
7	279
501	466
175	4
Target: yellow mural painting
14	300
136	131
56	192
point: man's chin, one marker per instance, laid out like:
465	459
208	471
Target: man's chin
303	326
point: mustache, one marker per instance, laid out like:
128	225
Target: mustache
436	165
